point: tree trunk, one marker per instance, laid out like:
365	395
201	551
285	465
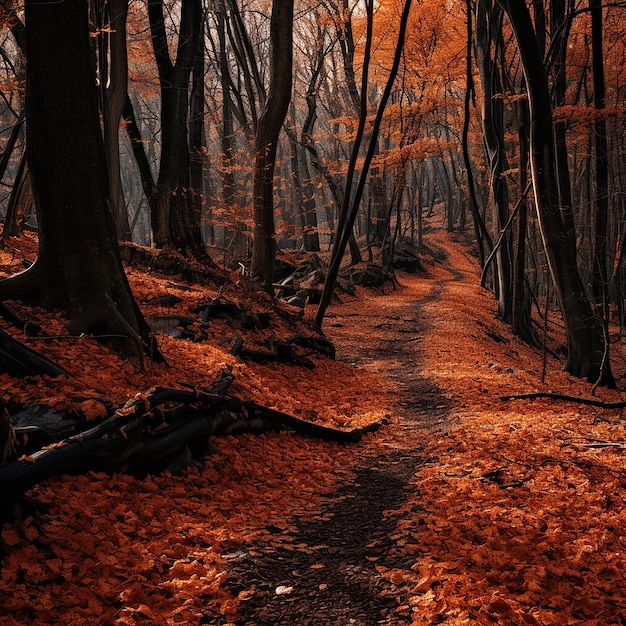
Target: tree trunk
587	352
78	266
309	192
520	312
560	27
600	280
139	151
114	86
197	139
488	19
227	139
266	140
480	231
174	222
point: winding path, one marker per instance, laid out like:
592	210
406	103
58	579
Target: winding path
333	577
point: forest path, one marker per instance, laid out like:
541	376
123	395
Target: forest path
334	574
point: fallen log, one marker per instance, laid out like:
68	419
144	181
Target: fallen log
152	429
236	317
318	344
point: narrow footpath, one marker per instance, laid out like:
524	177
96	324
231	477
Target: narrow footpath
335	575
464	509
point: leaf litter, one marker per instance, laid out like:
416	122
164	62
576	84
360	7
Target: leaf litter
508	518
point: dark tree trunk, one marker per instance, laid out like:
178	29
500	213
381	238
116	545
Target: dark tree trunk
303	200
480	231
600	281
488	21
113	63
520	318
309	193
380	204
139	151
227	135
346	41
308	144
266	141
174	223
559	25
229	196
197	139
587	352
78	266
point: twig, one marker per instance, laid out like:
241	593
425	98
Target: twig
566	398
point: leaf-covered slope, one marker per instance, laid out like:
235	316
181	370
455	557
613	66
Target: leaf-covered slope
513	514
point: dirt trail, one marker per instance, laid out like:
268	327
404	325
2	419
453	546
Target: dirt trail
333	576
462	510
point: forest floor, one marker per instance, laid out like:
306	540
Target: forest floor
461	509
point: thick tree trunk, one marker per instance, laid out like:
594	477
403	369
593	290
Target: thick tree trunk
78	267
587	352
266	141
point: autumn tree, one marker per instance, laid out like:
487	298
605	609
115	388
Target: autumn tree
488	53
78	267
175	219
266	140
587	346
352	202
111	16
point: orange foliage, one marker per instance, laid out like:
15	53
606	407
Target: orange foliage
514	517
117	550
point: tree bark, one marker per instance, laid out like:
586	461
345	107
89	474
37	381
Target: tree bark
587	352
521	302
78	267
174	223
600	279
114	86
480	231
560	26
266	141
488	19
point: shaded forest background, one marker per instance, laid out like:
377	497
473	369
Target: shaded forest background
484	91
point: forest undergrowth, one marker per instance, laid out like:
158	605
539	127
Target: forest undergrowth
515	514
